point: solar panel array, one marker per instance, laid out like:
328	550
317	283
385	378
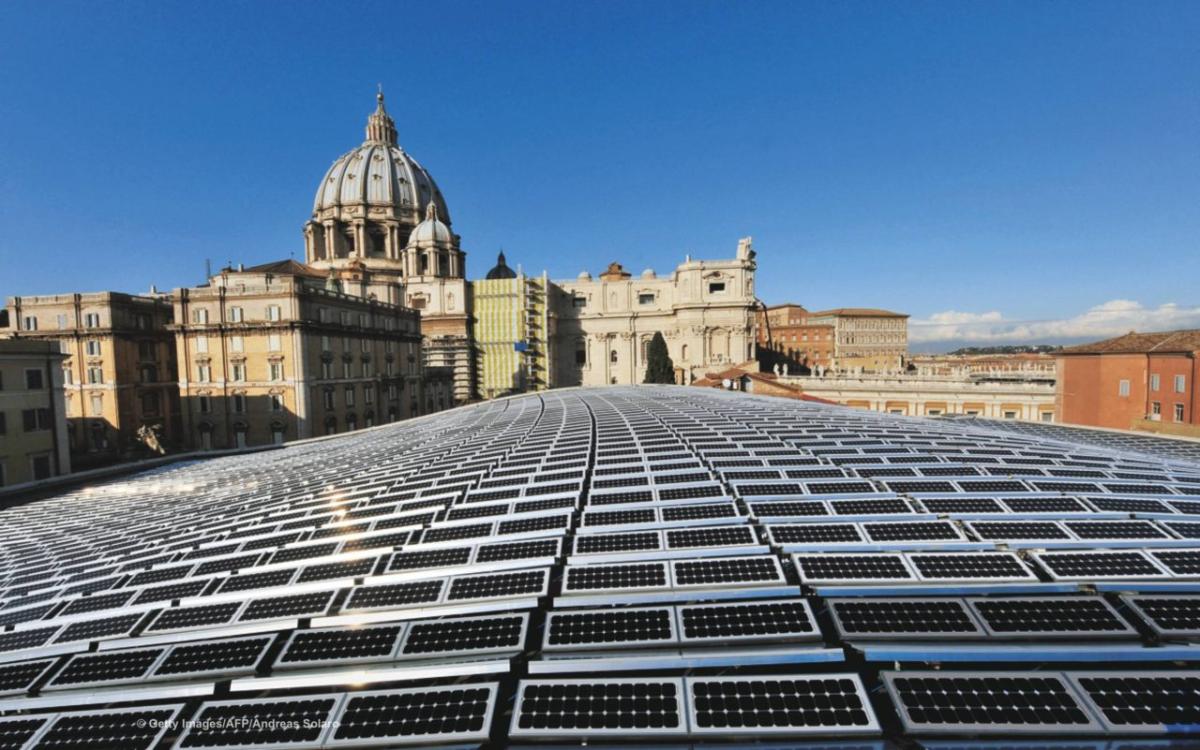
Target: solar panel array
637	566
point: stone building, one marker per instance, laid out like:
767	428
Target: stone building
119	371
381	223
34	442
705	311
513	331
865	339
278	352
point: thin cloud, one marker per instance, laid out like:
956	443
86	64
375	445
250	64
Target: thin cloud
1112	318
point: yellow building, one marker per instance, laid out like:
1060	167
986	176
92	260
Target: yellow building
277	352
33	425
512	332
865	339
119	371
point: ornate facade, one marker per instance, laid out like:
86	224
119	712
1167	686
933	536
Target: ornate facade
705	311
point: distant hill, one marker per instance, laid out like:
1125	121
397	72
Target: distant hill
1012	349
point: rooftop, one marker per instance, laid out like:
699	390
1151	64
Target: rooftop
861	312
636	566
1163	342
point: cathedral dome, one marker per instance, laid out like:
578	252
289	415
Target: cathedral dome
431	232
377	175
501	269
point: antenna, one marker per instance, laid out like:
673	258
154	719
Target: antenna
207	269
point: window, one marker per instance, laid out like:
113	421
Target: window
3	423
579	302
366	369
205	438
239	372
41	467
327	370
97	404
1180	383
345	344
273	313
322	315
276	402
1047	416
350	396
1010	415
203	373
326	345
368	395
95	375
646	298
364	345
239	403
581	354
1156	407
235	315
150	403
68	376
344	317
1123	388
393	392
146	350
716	287
390	366
239	437
273	343
277	436
1178	412
200	316
328	394
91	320
149	374
276	369
35	420
29	323
202	344
204	404
237	344
612	356
34	380
351	422
92	347
362	320
1154	382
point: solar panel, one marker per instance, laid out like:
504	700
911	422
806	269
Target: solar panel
617	577
208	659
908	618
853	568
1097	565
769	621
334	646
294	605
1143	702
1170	615
107	667
471	635
970	566
1051	617
19	677
987	703
498	585
609	628
278	722
591	708
439	714
17	732
393	595
834	705
727	571
129	728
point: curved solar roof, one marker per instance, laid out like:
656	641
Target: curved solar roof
636	566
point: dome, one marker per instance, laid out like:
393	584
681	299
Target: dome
649	274
431	232
584	276
379	173
501	270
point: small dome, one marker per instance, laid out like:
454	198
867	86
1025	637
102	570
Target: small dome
501	269
431	232
379	174
649	274
584	276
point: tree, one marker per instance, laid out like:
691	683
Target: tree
659	367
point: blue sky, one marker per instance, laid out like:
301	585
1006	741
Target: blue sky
1001	171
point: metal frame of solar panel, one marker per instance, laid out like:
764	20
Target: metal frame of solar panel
219	568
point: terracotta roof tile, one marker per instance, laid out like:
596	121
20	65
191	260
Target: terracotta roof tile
1141	343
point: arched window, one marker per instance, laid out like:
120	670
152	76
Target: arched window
683	353
612	356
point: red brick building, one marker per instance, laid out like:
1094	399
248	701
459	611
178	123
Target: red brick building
785	331
1135	381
